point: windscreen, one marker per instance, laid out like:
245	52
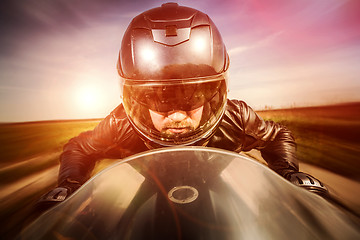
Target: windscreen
191	193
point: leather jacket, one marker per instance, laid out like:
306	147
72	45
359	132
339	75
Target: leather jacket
241	129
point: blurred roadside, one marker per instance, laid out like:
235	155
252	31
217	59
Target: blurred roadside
343	188
326	136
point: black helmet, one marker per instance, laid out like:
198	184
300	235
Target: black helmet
173	58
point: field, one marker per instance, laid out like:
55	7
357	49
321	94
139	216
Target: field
326	136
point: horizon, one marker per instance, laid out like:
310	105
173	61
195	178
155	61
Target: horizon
269	109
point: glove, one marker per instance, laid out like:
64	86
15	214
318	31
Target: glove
308	182
57	195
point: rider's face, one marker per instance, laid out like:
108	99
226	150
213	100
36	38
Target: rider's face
177	121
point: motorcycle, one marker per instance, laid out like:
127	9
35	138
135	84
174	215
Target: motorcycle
192	193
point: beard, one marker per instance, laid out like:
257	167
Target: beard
177	128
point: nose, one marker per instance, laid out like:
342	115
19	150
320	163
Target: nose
177	116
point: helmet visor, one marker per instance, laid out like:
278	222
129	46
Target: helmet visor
167	96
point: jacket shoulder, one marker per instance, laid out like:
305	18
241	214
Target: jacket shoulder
119	112
237	106
239	110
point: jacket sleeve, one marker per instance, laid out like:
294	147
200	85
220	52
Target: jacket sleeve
80	154
275	142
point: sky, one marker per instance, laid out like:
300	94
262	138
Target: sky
58	57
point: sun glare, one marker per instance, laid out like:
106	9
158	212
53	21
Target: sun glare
87	98
147	54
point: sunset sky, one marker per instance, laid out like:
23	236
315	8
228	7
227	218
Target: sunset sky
58	57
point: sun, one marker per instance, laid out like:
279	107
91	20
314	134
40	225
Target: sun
87	98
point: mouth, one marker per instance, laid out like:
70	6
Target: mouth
177	130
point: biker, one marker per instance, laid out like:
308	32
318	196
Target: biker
173	67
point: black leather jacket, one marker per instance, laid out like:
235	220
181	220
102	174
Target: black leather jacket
241	129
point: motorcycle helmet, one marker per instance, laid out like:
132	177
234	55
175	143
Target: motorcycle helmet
172	58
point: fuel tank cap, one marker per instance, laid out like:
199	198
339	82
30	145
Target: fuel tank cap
183	194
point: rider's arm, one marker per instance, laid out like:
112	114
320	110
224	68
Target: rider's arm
77	162
277	146
276	143
80	154
112	138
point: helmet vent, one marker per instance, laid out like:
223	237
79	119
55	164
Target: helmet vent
171	31
170	4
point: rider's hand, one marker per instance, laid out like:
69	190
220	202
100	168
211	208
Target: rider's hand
308	182
57	195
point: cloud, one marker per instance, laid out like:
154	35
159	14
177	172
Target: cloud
262	43
22	89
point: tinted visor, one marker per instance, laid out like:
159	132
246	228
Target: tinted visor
164	96
175	96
